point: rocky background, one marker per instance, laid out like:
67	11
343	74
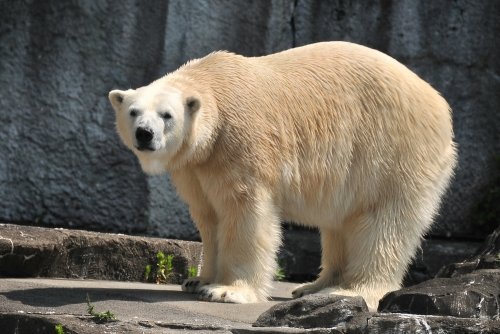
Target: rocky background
62	163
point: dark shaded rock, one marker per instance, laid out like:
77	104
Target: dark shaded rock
300	254
27	251
487	257
474	295
313	311
434	254
409	323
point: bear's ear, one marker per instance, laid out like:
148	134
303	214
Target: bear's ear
193	104
116	98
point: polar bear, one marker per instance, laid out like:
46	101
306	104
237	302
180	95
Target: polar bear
332	135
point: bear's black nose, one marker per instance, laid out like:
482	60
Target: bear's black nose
143	136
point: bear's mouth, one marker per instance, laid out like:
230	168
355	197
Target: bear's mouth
145	148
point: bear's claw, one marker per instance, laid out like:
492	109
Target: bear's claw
193	285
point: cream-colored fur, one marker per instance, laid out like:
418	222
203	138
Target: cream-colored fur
332	135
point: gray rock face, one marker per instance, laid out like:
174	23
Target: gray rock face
472	295
63	165
313	311
27	251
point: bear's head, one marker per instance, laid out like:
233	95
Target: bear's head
160	123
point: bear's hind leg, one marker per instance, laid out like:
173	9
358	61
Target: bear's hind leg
248	237
379	247
332	263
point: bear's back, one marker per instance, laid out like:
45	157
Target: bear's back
323	113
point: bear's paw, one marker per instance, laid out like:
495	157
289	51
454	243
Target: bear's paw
228	294
306	289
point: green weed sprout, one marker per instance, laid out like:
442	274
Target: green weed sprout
101	316
164	267
147	273
280	273
59	329
192	271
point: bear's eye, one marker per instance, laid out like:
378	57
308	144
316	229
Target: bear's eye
166	115
134	112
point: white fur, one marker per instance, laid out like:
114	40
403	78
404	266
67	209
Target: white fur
331	135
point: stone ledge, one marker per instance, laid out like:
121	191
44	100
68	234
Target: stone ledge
36	305
28	251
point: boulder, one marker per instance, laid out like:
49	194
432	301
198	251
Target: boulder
473	295
314	311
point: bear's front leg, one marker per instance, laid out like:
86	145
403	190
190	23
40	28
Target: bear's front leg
248	235
207	229
205	218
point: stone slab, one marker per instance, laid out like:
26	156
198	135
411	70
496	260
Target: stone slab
27	251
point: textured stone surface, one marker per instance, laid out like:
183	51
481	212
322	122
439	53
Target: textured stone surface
313	311
62	163
138	307
487	257
436	253
409	323
323	315
45	324
27	251
474	295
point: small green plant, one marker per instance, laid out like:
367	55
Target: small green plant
280	273
162	271
101	316
192	271
147	273
59	329
164	267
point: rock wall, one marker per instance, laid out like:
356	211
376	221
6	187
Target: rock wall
63	165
